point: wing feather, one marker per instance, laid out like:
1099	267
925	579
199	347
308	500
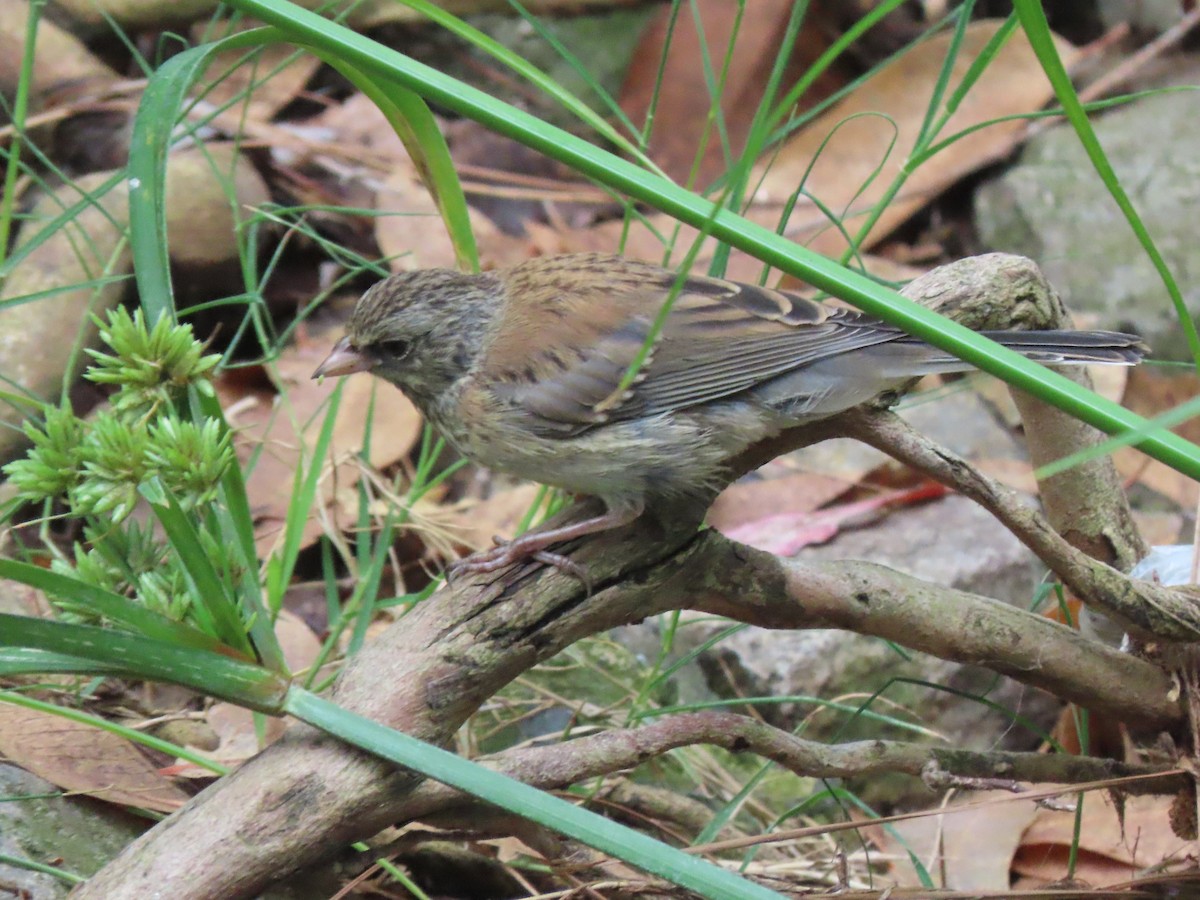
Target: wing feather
720	338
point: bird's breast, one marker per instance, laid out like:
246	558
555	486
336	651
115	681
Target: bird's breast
669	455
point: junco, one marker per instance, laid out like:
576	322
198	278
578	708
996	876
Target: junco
522	370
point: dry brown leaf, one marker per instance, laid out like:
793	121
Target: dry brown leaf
1159	527
237	730
969	849
22	600
412	234
786	533
300	645
410	231
253	86
1110	382
84	759
238	738
360	124
1133	465
798	492
1108	855
1013	473
846	145
681	96
285	424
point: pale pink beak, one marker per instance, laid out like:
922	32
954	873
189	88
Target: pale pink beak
345	359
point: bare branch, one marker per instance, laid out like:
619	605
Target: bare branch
1151	609
755	587
563	764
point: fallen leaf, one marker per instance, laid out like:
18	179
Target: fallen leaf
665	74
1151	393
787	533
1109	855
84	759
252	86
751	499
1013	473
413	235
475	524
301	647
238	738
848	158
963	849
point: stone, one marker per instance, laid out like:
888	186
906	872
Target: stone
1052	207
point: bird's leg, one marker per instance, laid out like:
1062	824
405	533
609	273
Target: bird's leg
535	544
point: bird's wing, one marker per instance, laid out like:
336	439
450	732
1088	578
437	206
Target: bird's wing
582	323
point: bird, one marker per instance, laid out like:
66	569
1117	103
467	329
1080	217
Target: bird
607	376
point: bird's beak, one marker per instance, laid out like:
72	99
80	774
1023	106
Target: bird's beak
345	359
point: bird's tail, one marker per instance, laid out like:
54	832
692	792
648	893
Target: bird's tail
1074	347
1053	348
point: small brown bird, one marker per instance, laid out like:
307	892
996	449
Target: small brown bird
522	370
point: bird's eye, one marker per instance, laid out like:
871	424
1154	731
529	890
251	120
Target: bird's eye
393	349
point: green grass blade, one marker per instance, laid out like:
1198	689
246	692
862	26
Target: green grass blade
367	591
237	526
129	734
827	59
535	76
110	605
54	226
92	283
153	126
212	605
1169	419
32	661
105	650
20	108
624	843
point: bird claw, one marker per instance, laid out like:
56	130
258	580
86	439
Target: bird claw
507	554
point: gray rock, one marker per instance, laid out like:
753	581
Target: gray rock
1154	16
39	825
81	835
951	542
1052	207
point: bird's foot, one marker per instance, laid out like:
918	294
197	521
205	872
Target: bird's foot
507	554
535	545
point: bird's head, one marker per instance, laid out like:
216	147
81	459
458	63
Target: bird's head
421	330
